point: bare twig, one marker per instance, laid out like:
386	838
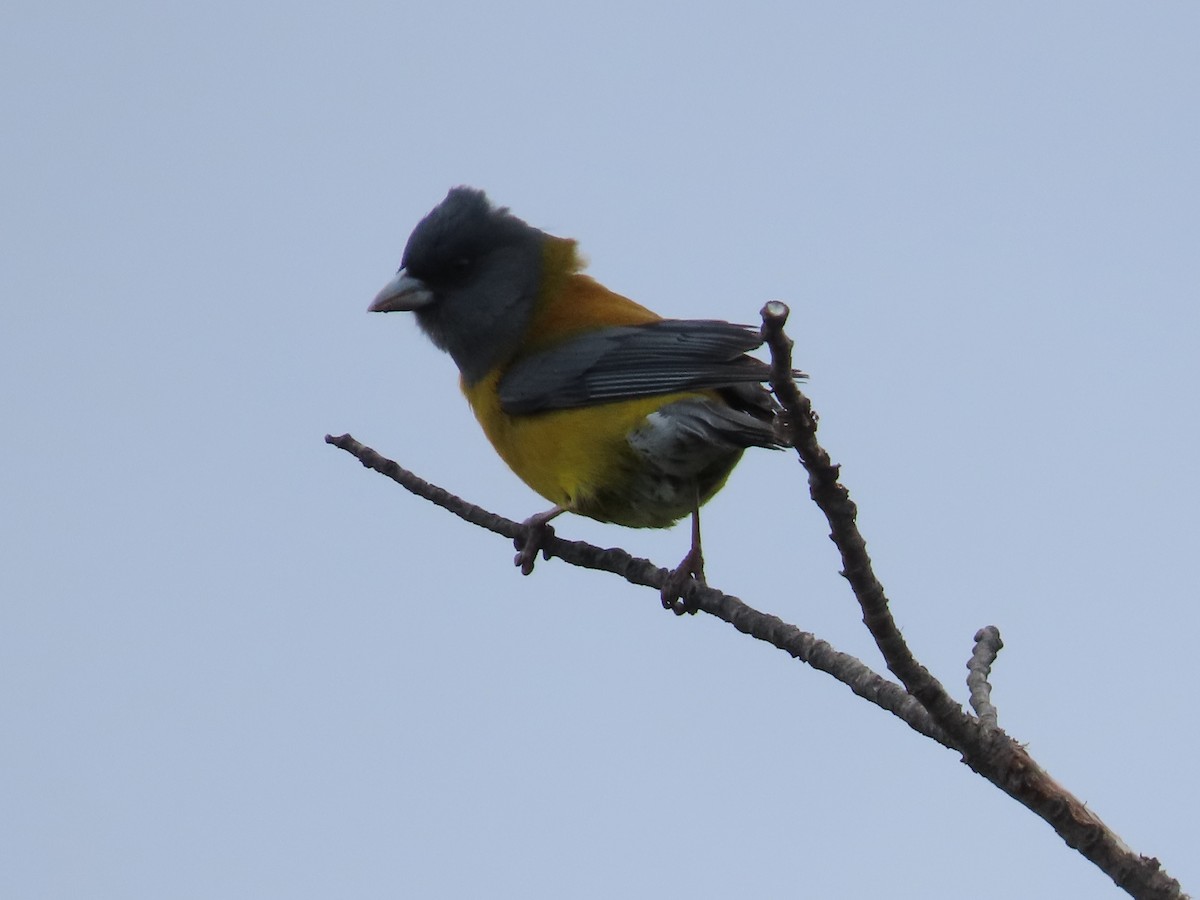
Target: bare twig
979	667
834	500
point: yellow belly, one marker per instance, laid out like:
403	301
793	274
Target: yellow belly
581	459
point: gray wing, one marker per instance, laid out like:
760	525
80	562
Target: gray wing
629	361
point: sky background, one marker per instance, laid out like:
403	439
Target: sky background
235	664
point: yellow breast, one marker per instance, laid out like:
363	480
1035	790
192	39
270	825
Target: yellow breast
579	459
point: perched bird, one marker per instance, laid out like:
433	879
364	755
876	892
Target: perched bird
603	407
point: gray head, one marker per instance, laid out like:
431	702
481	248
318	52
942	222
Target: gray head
470	272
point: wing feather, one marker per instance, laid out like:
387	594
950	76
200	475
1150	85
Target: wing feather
630	361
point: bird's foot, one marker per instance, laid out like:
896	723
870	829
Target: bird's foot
537	533
690	569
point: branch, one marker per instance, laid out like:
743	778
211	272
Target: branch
992	754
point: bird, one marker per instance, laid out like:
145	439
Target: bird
603	407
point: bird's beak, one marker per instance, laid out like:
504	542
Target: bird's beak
402	294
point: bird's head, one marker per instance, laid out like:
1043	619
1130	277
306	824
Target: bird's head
471	273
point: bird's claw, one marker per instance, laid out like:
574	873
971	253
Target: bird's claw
537	532
690	569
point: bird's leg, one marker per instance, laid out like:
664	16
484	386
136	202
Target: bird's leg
537	531
691	567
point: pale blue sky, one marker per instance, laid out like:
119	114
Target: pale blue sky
234	664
